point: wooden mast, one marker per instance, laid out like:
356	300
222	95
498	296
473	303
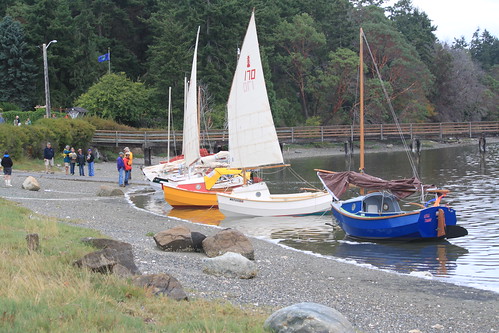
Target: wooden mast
361	116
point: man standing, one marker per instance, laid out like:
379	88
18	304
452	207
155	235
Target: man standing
120	165
48	157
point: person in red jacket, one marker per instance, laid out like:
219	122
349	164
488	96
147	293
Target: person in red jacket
128	167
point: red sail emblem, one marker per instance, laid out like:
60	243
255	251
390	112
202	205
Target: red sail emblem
248	62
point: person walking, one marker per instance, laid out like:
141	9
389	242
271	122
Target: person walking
72	161
17	121
90	162
67	159
128	167
120	165
48	157
7	168
80	160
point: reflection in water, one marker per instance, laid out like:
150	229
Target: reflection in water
472	177
210	216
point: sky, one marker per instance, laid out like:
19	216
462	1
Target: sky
456	18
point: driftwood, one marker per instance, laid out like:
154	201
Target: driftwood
33	242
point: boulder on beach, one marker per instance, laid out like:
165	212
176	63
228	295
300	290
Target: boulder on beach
31	184
161	285
175	239
228	240
114	258
232	265
109	191
308	317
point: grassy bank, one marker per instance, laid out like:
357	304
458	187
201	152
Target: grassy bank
43	292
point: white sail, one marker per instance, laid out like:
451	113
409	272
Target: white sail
253	139
190	142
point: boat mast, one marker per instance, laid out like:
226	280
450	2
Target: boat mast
361	116
169	115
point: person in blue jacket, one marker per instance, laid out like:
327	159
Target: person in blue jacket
48	157
120	165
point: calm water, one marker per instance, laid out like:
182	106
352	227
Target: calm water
472	177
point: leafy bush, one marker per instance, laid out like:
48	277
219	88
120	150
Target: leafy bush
9	116
73	132
29	141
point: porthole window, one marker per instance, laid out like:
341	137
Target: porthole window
258	194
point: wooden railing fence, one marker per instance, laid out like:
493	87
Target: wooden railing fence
310	134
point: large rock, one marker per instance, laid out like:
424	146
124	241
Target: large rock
161	284
109	191
230	265
197	241
228	240
175	239
31	184
114	257
308	317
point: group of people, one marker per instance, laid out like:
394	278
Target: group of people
124	165
72	158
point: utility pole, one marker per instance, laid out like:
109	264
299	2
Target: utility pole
46	76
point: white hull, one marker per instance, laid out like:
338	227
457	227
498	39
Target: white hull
256	200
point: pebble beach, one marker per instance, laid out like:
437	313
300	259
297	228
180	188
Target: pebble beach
372	300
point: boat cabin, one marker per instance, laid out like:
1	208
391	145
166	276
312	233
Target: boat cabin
373	203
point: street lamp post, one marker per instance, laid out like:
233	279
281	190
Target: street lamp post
46	75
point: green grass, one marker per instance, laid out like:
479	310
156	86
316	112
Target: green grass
44	292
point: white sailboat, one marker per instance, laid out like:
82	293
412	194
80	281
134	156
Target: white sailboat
253	143
177	170
197	178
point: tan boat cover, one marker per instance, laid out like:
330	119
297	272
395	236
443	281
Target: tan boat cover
337	183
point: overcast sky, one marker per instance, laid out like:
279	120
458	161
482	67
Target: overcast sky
456	18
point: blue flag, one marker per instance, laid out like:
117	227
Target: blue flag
104	57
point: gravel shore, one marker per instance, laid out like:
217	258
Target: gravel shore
373	300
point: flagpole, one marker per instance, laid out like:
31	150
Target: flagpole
109	64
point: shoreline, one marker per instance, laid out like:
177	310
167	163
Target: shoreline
373	147
372	300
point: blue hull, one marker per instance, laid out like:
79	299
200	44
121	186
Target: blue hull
420	224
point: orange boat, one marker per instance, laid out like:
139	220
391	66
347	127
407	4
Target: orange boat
202	191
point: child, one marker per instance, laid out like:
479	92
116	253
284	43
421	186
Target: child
7	168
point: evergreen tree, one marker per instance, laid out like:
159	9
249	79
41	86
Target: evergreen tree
17	71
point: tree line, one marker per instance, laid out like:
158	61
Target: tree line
309	51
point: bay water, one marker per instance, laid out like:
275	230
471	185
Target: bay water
472	177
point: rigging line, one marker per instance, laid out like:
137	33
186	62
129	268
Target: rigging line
301	178
390	106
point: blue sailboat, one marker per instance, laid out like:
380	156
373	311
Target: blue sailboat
377	215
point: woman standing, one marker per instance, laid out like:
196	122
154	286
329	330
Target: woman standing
90	162
72	161
7	168
80	159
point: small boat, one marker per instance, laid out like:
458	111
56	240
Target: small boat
253	143
377	215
